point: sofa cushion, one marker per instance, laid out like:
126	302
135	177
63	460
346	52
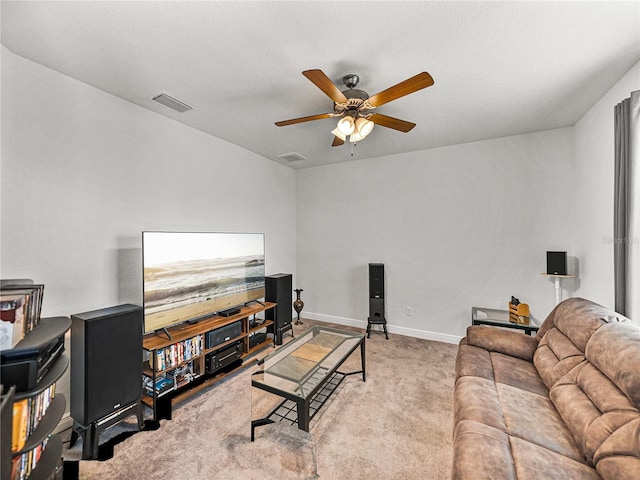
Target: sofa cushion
476	399
578	319
591	406
555	356
514	411
517	373
618	458
477	362
533	462
534	418
615	351
482	452
502	341
473	361
564	335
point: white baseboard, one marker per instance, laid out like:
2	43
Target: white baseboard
408	332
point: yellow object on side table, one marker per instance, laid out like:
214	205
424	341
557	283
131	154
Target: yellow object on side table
519	313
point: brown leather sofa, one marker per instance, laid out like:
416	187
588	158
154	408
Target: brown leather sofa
564	404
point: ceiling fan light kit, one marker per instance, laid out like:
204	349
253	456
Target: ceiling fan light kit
364	126
347	125
354	106
337	133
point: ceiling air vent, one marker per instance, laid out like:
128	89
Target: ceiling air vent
172	102
291	157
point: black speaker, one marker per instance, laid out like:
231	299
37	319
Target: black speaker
376	298
376	309
278	288
106	361
376	280
222	334
557	263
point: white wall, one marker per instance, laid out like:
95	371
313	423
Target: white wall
594	176
83	173
455	227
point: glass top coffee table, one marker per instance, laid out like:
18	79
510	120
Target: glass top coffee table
304	372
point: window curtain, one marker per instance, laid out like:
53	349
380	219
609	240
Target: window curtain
627	207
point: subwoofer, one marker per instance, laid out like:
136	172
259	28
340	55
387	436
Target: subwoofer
106	361
278	289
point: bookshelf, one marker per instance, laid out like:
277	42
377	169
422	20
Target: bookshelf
36	411
180	366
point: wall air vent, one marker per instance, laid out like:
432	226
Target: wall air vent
172	102
291	157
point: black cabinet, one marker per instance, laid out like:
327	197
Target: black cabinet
37	409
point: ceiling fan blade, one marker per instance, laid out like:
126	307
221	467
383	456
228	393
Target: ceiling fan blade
391	122
337	141
324	83
293	121
410	85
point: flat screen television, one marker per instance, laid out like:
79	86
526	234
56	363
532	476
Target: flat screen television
191	275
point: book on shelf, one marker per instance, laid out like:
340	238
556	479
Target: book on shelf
23	465
12	326
162	384
27	414
181	375
177	353
19	425
32	294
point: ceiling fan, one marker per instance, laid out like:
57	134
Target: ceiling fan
354	107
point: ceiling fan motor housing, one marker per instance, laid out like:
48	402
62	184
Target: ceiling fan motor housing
355	93
351	80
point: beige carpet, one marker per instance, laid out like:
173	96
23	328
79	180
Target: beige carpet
396	425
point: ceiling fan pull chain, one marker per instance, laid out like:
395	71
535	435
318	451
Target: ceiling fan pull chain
353	146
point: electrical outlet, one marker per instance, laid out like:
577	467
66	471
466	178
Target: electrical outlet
409	311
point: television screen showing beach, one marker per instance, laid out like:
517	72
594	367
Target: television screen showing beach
188	276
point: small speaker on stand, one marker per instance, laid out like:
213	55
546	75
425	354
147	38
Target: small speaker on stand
556	263
376	298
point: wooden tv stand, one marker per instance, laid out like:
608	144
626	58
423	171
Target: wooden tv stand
180	362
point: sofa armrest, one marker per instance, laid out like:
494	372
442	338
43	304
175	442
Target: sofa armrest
514	344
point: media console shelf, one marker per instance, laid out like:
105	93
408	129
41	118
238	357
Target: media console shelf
199	355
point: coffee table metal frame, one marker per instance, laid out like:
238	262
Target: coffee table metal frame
324	380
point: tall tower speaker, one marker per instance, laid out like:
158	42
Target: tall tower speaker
376	298
278	288
106	362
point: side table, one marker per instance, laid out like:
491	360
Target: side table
498	318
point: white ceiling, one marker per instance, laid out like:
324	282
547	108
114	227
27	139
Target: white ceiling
500	68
